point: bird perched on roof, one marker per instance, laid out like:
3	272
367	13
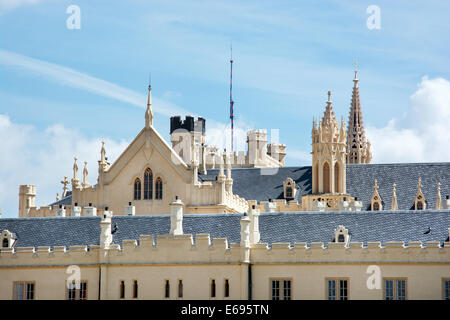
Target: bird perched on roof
115	228
428	231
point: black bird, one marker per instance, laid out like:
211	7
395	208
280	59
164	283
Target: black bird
115	228
428	231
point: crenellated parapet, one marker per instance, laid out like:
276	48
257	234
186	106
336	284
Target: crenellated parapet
176	249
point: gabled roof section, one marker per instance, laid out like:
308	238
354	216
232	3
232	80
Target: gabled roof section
157	142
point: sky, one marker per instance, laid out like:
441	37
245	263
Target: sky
66	86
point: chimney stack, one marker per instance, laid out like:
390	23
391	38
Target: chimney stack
176	217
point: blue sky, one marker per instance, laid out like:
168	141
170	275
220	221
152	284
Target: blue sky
58	84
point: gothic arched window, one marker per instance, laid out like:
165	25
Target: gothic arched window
5	243
376	206
326	178
336	177
137	189
158	188
148	184
289	192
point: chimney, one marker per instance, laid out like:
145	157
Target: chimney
245	231
75	211
270	206
105	225
130	210
255	235
176	217
90	211
61	211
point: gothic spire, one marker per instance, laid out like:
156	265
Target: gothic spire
149	111
358	148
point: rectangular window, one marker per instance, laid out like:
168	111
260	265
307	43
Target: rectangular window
337	289
122	289
167	290
446	286
180	288
77	294
275	289
395	289
227	289
213	288
135	289
23	291
281	289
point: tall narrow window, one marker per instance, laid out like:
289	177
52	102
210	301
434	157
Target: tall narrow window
227	289
289	193
275	289
395	289
122	289
337	289
213	288
167	293
135	289
148	184
316	178
137	189
336	178
158	188
82	295
326	178
180	288
286	289
5	243
446	285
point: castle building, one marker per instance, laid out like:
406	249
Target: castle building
187	221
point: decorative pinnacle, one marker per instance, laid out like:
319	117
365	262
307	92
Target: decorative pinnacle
329	96
356	72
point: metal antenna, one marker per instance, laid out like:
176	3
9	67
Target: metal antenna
231	97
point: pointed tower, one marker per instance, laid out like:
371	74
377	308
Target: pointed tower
328	153
149	111
358	148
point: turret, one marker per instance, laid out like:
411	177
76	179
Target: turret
27	197
187	135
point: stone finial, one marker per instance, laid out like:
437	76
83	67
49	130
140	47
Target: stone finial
57	196
375	186
75	169
85	175
65	182
439	198
394	205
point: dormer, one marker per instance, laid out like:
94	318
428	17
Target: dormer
341	234
8	239
375	202
289	189
419	200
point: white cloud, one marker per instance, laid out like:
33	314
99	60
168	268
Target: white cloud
43	158
72	78
8	5
422	134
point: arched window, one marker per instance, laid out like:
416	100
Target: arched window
316	178
148	184
336	177
419	205
5	243
341	238
289	192
158	188
137	189
326	178
376	206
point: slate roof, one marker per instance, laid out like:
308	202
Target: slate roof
66	201
264	184
274	227
253	184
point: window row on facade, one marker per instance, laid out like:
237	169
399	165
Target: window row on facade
144	189
281	289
